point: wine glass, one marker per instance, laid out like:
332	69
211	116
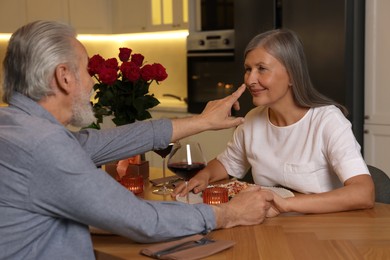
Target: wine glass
185	160
163	153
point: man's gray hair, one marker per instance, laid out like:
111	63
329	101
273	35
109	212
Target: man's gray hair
33	53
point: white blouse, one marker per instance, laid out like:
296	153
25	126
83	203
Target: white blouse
316	154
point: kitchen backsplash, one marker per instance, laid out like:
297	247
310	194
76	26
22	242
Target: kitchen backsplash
171	53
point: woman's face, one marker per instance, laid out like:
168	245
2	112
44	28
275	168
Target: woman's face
267	79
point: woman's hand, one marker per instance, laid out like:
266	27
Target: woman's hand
213	172
197	183
277	206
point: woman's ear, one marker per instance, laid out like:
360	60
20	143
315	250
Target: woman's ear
63	78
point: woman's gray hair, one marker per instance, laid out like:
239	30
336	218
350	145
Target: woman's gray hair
285	46
33	53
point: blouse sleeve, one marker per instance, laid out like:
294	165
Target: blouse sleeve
342	149
234	158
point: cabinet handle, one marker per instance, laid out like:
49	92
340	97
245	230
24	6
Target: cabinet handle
366	117
366	131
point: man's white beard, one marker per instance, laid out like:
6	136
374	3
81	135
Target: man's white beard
82	112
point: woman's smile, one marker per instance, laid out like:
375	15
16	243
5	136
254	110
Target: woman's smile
257	91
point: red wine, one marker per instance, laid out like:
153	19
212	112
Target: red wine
185	171
164	152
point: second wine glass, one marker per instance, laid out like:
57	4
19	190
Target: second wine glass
164	190
185	160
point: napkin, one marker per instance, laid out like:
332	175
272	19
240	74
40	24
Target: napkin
197	252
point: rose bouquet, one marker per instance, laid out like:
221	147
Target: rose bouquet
122	90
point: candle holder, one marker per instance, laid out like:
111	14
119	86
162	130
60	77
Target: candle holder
215	195
134	183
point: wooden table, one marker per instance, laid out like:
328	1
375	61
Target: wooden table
360	234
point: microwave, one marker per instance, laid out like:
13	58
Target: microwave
211	15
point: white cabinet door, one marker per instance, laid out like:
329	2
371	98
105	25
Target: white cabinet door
12	15
56	10
377	146
15	13
169	15
377	62
91	16
130	15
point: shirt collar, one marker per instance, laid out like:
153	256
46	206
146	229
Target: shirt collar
31	107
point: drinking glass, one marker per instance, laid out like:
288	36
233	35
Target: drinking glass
163	154
185	160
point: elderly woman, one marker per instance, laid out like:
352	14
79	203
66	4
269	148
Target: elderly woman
295	137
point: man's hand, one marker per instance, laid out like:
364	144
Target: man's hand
249	207
215	116
218	112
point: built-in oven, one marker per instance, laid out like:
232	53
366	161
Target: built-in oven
211	68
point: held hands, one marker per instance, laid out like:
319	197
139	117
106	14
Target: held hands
218	112
249	207
279	205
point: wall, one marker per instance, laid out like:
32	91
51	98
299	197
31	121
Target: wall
171	53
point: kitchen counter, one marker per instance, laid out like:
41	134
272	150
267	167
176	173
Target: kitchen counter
169	104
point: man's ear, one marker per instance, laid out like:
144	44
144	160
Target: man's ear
63	78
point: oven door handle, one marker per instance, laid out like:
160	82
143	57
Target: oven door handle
211	54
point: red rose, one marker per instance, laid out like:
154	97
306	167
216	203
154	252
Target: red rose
108	75
130	70
95	64
111	64
124	54
160	72
147	72
137	59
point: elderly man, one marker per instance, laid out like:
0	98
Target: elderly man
50	187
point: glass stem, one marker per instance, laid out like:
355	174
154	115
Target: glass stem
187	196
164	183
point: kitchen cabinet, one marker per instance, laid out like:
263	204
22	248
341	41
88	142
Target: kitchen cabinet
377	85
98	16
15	13
212	142
12	15
169	15
87	16
47	10
377	146
90	16
131	16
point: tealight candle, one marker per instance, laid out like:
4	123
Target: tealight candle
215	195
134	183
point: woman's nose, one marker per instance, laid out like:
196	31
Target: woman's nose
251	78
